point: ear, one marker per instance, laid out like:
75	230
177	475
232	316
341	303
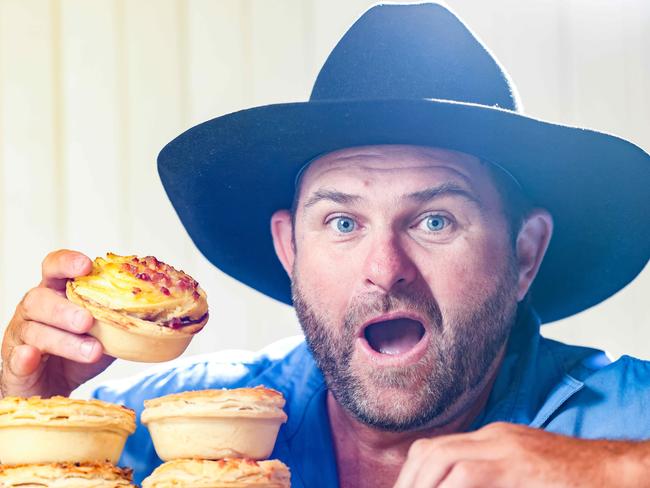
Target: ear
532	242
282	232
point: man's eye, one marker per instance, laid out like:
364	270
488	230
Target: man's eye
435	223
343	225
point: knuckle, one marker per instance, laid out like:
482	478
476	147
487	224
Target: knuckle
497	427
464	474
30	301
418	448
26	332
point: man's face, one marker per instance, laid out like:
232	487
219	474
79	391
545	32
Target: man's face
404	280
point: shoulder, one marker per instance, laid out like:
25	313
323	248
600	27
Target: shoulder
578	361
611	397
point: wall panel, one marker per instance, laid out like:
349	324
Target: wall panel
31	198
91	90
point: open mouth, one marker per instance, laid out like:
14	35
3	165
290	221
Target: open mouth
395	336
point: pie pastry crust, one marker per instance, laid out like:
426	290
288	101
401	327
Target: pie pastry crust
224	473
215	424
59	429
144	309
65	475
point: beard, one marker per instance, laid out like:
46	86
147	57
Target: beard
463	346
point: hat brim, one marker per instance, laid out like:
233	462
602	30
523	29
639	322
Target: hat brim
226	177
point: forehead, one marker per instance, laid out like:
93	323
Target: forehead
390	161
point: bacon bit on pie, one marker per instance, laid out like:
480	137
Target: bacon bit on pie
156	277
143	277
196	295
175	323
129	268
151	262
136	290
164	291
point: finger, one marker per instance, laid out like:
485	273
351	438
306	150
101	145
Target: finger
474	474
21	371
59	266
429	460
418	458
79	348
24	360
48	307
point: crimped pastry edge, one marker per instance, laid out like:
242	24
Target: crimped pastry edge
233	472
260	402
63	411
56	471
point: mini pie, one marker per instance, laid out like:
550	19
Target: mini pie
59	429
215	424
144	309
65	475
224	473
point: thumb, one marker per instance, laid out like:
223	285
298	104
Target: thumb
22	371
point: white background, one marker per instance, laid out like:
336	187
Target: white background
90	90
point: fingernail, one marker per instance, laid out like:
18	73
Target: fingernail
80	318
86	348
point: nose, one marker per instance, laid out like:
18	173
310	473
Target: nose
388	265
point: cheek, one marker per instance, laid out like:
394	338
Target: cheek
465	272
326	280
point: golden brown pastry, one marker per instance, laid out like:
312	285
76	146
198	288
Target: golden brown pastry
215	424
144	309
225	473
65	475
59	429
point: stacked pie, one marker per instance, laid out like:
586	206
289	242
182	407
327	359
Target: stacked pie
60	441
223	473
217	438
144	310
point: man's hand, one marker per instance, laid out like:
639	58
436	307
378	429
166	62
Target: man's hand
508	455
45	350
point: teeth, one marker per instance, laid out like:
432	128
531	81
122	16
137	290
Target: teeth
389	351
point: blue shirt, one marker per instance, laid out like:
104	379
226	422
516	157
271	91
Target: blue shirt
541	383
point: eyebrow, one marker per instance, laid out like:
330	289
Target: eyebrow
448	188
332	196
421	196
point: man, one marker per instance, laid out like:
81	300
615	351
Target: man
412	208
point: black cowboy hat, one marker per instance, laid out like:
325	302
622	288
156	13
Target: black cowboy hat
414	74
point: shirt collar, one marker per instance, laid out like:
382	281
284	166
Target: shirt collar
531	384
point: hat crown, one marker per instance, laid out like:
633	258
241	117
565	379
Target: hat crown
413	51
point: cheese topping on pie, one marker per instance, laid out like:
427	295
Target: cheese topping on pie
145	288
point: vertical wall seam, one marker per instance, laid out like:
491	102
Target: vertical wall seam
307	32
184	100
247	40
58	129
123	129
183	62
564	54
3	195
